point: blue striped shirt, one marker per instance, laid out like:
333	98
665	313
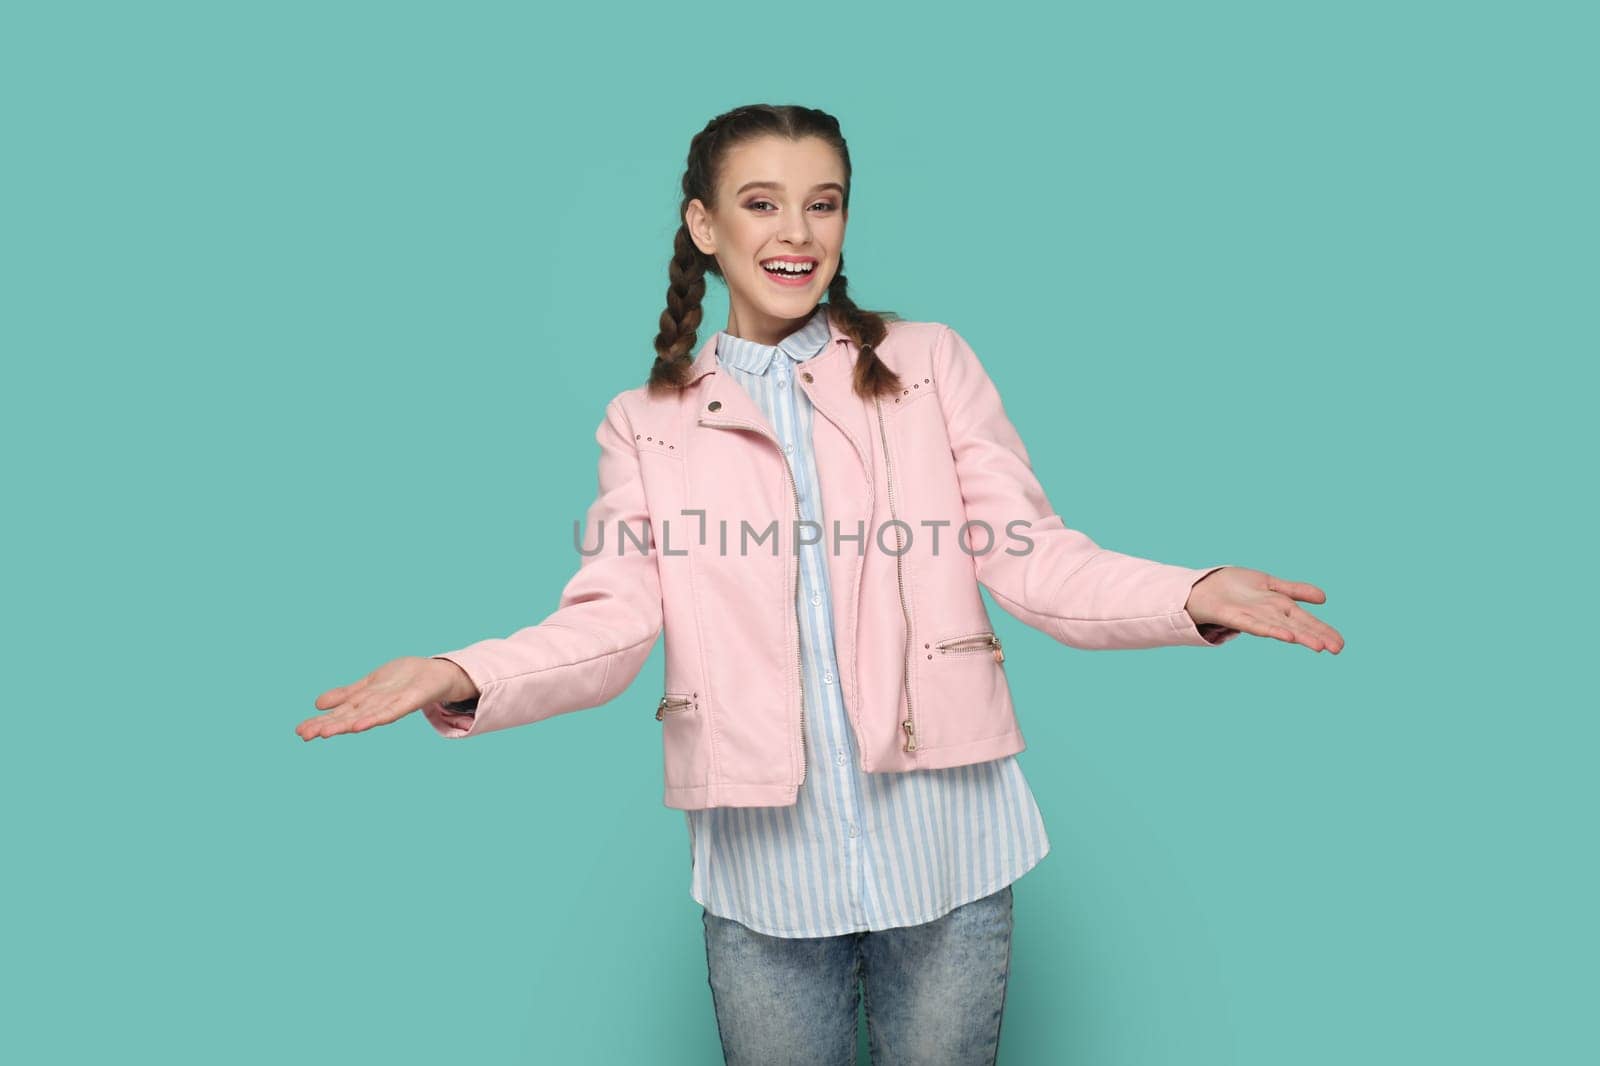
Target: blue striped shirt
857	851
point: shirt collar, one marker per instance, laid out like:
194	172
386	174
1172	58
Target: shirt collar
799	345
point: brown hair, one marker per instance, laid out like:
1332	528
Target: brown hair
675	343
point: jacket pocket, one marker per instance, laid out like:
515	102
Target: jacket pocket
965	696
684	751
967	643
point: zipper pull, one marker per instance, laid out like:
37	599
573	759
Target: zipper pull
911	735
673	703
999	653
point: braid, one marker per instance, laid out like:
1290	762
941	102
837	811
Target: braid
680	322
867	329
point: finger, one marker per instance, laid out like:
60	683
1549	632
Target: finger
313	727
323	725
1308	635
1262	624
333	723
1284	626
335	696
1296	623
373	716
372	712
1331	640
352	718
1326	637
1299	590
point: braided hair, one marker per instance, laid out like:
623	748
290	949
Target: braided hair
686	273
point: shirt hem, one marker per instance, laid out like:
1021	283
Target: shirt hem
991	888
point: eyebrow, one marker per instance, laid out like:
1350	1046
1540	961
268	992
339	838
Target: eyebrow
747	186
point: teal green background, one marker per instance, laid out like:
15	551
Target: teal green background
310	312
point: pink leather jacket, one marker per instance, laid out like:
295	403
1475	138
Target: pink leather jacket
683	478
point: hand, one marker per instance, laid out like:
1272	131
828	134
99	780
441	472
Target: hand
386	695
1251	601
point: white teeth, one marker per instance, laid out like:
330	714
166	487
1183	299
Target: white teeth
789	268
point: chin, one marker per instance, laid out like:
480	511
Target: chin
801	305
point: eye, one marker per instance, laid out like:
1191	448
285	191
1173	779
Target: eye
826	205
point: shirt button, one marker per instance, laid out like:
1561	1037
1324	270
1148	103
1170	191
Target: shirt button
789	448
839	758
853	830
828	678
816	598
783	382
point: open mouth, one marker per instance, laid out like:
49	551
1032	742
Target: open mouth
790	271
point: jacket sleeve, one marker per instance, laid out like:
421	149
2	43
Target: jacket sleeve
604	626
1063	584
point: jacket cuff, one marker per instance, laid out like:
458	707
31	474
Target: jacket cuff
455	719
1126	602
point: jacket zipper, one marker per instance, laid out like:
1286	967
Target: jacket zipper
974	642
798	623
671	703
910	724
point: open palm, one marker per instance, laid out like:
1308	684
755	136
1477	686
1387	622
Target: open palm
388	694
1253	601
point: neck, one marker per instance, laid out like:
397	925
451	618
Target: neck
752	324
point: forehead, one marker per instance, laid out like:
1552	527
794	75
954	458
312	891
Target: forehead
799	166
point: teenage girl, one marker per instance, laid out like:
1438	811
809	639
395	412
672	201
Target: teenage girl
898	882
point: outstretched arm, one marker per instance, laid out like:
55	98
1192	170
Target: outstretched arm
605	624
1065	584
580	656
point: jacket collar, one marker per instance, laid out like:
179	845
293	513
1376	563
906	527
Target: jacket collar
755	358
828	381
705	360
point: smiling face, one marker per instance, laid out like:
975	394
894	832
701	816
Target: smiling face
776	231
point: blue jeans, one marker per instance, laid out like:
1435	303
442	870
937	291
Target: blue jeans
935	992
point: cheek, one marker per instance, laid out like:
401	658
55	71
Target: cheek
829	234
745	239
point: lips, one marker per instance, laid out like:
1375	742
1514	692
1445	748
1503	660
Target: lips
792	281
792	271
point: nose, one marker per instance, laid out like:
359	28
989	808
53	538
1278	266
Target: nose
796	228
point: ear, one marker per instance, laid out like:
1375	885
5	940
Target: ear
698	219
